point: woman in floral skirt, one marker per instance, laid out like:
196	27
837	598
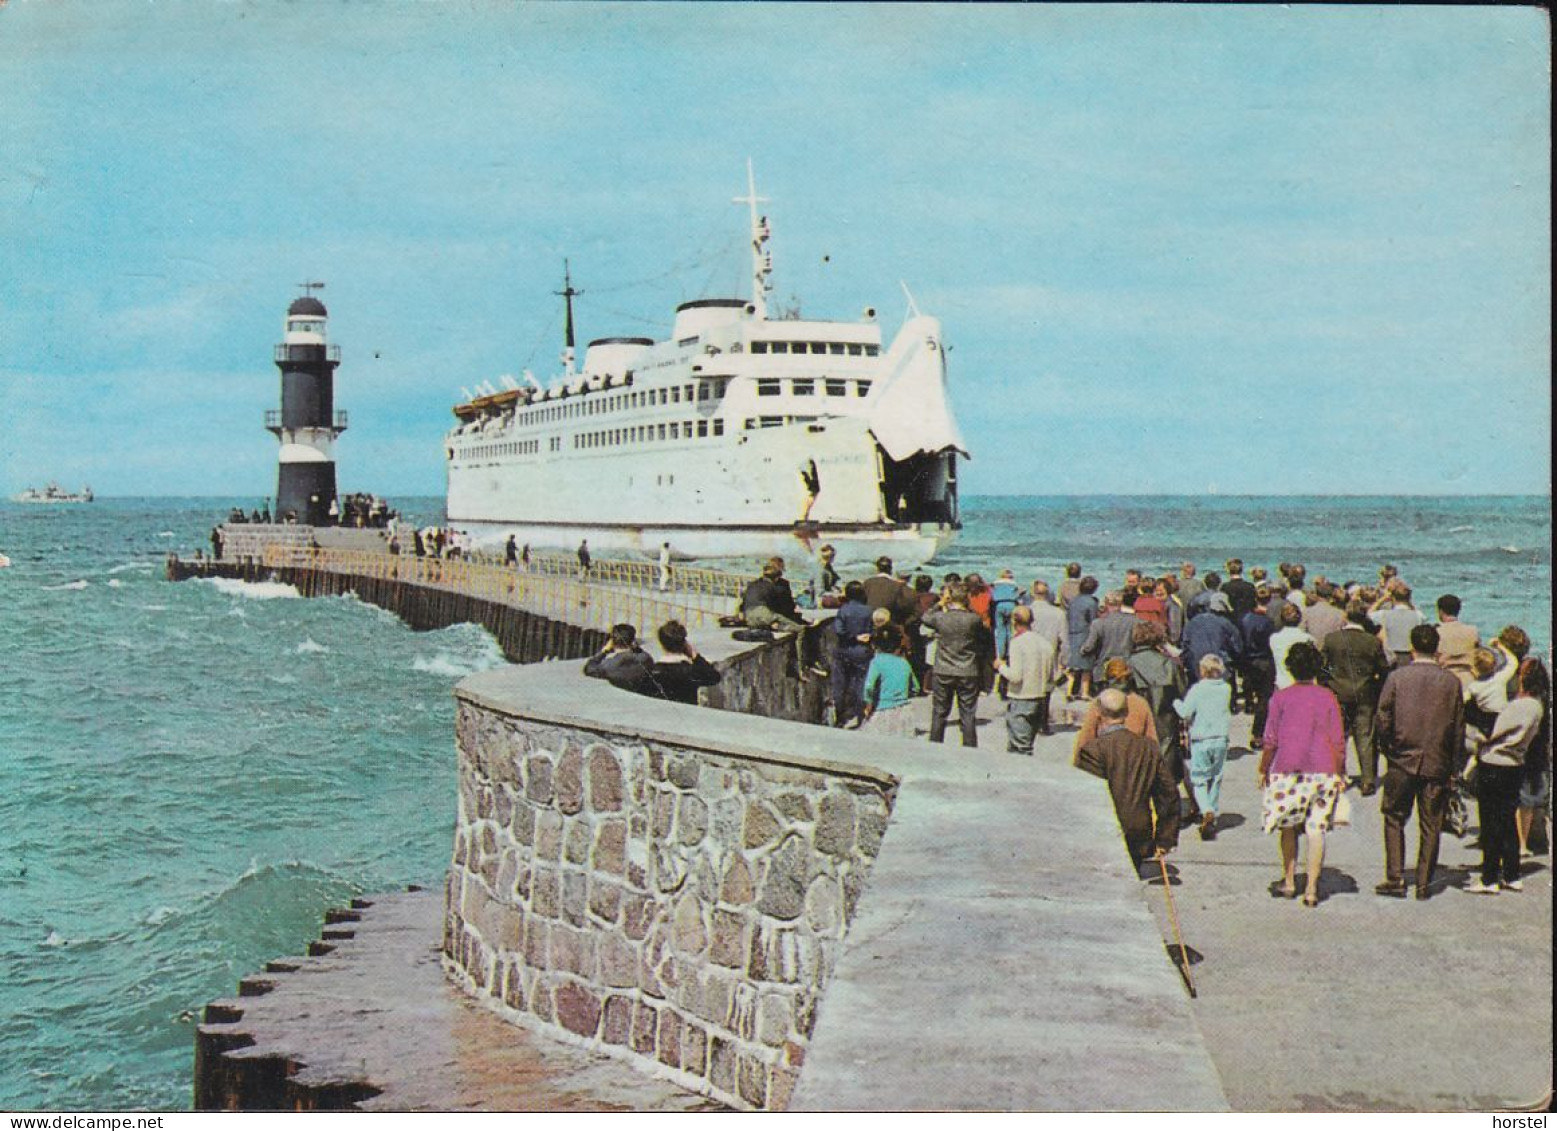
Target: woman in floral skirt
1302	768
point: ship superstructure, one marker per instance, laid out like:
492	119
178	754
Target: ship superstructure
739	434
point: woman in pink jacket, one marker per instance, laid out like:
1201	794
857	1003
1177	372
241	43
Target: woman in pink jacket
1302	768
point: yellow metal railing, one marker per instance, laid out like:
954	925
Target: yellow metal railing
596	602
643	575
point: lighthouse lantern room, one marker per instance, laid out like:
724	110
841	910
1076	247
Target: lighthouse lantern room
307	423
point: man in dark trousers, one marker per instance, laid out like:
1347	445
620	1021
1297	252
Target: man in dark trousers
1145	800
1357	664
1420	726
961	637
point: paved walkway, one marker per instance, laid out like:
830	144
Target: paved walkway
1364	1003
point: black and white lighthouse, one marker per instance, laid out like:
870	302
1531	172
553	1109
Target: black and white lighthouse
307	422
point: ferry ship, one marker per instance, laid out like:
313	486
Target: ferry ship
738	435
52	494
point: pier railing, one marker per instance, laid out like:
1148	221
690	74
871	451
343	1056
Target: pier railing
597	601
643	575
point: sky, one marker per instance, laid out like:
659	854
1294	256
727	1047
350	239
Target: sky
1174	249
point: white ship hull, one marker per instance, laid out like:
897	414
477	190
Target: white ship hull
737	436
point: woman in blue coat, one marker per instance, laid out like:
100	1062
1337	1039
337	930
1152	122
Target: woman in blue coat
1079	615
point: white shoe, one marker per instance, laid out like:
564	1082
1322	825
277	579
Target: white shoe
1513	885
1476	887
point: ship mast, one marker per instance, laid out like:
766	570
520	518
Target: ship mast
567	292
761	261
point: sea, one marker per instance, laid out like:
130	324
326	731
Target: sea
192	774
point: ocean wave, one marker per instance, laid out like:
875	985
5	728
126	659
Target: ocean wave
78	584
164	534
115	583
55	939
132	565
310	645
445	664
155	608
250	590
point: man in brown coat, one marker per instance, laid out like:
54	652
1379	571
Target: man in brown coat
1137	779
1420	726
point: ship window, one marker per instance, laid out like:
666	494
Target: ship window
872	351
723	384
675	431
689	394
759	347
804	388
797	347
675	394
837	388
719	426
702	392
834	347
855	350
768	387
780	347
702	429
770	422
661	435
862	388
818	347
692	341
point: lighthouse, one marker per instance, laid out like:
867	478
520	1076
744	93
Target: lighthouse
307	422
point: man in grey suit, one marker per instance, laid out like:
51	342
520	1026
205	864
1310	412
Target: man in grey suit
1420	726
1109	636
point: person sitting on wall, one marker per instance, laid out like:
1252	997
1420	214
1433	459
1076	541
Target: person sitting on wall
680	671
622	662
768	601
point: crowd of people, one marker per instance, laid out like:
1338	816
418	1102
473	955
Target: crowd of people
1161	664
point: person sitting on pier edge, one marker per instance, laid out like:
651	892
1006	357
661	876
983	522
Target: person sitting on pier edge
768	602
1145	800
623	663
678	673
854	626
960	641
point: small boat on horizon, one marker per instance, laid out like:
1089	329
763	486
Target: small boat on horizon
52	494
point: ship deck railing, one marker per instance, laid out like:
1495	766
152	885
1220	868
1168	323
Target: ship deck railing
596	601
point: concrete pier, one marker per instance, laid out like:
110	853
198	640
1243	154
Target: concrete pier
367	1020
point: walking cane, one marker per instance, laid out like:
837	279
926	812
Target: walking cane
1173	919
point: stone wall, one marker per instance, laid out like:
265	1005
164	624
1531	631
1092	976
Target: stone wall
674	903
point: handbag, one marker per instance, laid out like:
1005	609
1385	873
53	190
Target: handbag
1341	813
1456	818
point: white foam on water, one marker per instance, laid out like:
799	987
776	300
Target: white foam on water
235	611
56	939
310	645
115	583
164	534
250	590
155	608
71	585
159	916
1509	549
445	664
132	565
